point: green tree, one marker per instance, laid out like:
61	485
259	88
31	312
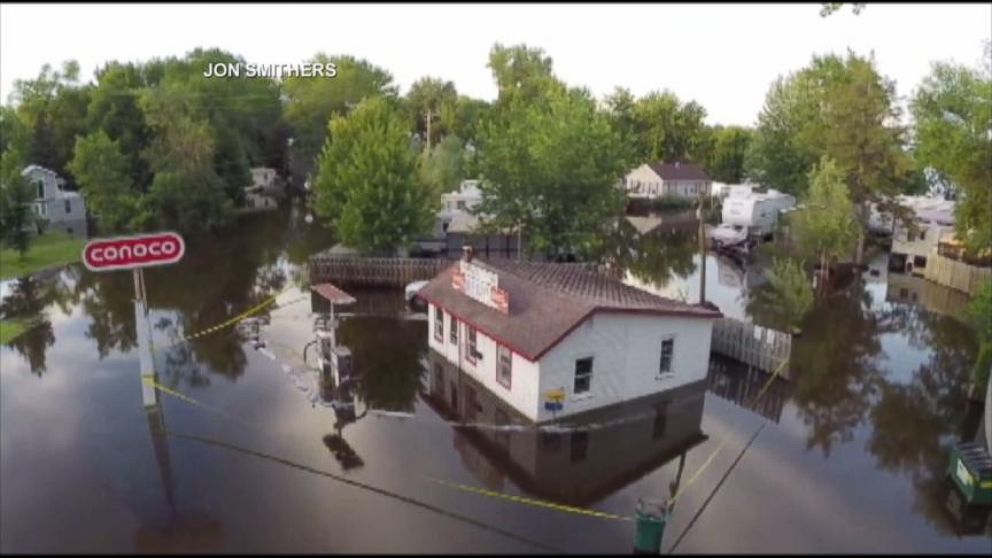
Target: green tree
826	228
725	160
521	72
980	315
464	117
115	110
311	103
552	163
776	156
16	194
368	185
952	111
788	296
447	165
428	97
53	108
103	173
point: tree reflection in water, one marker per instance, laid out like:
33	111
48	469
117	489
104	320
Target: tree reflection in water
27	300
652	258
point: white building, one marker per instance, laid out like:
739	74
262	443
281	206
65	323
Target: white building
934	220
458	203
755	212
265	190
61	210
537	334
676	179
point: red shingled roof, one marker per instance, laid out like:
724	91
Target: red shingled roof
681	170
548	301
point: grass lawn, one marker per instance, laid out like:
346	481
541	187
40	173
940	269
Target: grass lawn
11	328
48	250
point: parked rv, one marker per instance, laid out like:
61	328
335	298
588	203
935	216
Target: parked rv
755	212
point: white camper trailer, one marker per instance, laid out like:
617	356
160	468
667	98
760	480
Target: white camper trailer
755	211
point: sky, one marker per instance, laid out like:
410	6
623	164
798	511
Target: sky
723	56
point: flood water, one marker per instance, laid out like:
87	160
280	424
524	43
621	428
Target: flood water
252	458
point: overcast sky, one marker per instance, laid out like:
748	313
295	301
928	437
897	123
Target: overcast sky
723	56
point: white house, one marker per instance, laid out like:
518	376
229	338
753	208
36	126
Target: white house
600	453
61	209
458	203
934	219
677	179
539	335
265	190
756	212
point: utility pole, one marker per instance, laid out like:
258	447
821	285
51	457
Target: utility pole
143	330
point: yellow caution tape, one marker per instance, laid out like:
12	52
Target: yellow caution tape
531	501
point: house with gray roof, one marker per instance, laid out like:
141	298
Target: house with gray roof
554	340
681	179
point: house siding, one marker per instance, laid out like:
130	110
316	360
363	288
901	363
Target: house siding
644	182
626	351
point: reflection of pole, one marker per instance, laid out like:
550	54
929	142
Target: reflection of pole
143	333
702	253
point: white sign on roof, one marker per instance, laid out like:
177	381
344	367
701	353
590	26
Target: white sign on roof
481	285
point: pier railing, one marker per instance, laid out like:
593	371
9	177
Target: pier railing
374	272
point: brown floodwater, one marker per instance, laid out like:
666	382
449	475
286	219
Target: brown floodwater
254	458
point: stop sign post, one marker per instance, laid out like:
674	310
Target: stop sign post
135	253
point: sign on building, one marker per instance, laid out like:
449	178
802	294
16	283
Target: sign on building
481	285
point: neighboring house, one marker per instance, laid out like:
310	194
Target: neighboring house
911	246
60	209
461	201
601	453
532	333
675	179
756	213
265	190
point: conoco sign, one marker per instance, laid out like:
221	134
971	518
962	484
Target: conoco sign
132	252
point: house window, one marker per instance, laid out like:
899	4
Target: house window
583	375
42	209
551	441
504	365
471	351
461	204
919	261
438	324
667	351
923	234
453	324
41	190
580	445
68	206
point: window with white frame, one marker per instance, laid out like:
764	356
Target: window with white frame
471	350
41	190
438	324
68	206
583	375
504	365
667	354
453	333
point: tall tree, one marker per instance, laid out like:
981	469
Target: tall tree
826	227
312	102
551	163
725	158
368	185
428	97
16	194
447	165
952	111
521	72
103	172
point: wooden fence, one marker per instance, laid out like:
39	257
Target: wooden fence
760	347
954	274
374	272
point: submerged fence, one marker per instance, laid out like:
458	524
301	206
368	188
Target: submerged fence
954	274
760	347
374	272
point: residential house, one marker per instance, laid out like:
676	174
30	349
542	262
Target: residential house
60	209
676	179
598	454
265	191
555	340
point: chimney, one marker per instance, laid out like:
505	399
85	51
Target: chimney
468	253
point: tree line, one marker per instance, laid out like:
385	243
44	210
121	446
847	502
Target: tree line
156	144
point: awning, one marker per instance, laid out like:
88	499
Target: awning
333	294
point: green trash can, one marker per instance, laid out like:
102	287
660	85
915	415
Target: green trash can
650	517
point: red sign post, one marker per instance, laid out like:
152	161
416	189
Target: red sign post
132	252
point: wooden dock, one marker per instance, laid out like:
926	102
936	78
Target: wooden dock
374	272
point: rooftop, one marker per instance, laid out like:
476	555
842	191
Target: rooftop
547	301
679	170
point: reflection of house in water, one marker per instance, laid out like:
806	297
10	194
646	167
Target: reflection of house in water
590	458
739	383
908	289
